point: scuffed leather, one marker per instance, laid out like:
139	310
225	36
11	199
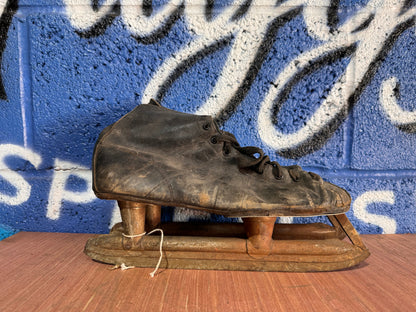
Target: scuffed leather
157	155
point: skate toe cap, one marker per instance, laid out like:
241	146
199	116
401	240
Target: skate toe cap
339	199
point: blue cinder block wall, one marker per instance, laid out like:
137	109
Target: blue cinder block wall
328	85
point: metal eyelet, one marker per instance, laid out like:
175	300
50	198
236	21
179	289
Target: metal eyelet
214	140
277	177
206	126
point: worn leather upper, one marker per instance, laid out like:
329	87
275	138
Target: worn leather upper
157	155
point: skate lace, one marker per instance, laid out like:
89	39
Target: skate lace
256	159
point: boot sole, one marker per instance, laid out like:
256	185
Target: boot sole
232	213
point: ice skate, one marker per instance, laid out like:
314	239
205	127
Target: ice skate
155	157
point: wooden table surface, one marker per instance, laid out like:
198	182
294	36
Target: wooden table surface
49	272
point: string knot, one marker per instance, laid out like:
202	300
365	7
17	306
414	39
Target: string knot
124	267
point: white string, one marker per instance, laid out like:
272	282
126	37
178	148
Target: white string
133	236
124	267
160	250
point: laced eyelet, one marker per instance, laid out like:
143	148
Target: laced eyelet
314	176
214	140
295	177
206	126
275	167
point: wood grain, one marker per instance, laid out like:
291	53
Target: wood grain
49	272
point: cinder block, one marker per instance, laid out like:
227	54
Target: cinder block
11	117
81	85
34	209
382	141
381	204
263	86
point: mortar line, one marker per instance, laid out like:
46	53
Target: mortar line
348	139
25	82
364	173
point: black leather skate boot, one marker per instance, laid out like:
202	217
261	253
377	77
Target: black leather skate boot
160	156
156	156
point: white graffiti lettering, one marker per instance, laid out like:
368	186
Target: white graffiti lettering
184	215
58	192
361	203
388	99
2	6
139	24
83	16
15	179
287	220
368	43
63	170
243	26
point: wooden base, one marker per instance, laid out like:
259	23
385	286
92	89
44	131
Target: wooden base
227	254
256	245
